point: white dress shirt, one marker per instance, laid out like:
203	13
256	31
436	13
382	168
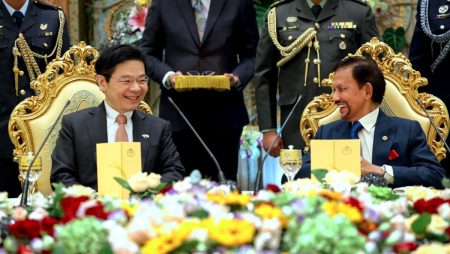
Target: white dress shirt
366	136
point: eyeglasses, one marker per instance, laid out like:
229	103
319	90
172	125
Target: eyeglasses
203	73
128	81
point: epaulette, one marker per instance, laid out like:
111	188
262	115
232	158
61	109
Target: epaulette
52	6
363	2
279	3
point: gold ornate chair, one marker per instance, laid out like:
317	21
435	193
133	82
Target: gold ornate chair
71	77
402	83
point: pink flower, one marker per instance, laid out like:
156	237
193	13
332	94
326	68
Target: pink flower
137	18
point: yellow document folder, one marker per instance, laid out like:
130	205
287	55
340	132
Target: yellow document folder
338	154
120	159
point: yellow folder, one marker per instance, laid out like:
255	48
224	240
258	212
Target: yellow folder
338	154
119	159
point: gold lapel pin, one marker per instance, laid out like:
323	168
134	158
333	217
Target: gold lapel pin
43	27
384	138
1	26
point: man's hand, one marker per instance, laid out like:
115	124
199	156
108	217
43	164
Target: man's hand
268	138
234	79
172	78
367	167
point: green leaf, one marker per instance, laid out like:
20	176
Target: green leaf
106	249
395	38
199	214
420	225
187	247
319	174
382	193
55	210
123	183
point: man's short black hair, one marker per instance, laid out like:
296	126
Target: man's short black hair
110	57
366	70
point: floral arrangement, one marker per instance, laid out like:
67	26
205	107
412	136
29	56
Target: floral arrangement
201	216
251	142
130	23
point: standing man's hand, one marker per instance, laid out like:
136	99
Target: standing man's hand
268	138
172	78
234	79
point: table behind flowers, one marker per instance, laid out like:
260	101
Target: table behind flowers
200	216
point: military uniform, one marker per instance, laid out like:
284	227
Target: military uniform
40	29
430	58
429	51
341	27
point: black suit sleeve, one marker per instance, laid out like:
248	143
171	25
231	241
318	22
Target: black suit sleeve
153	41
247	36
169	160
64	169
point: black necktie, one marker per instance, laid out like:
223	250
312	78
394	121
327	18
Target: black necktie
18	18
356	127
316	10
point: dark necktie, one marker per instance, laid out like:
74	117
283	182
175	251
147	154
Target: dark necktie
356	127
316	10
18	18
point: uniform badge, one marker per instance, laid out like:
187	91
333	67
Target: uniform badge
342	45
43	27
443	9
291	19
1	26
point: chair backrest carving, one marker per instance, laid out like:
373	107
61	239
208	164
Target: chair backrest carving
402	83
71	77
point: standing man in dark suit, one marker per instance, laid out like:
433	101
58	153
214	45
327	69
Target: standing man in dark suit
301	43
217	36
31	32
391	147
121	76
429	52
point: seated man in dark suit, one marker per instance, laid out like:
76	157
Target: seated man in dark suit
121	76
391	147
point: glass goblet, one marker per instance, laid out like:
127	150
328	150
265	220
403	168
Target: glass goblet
290	161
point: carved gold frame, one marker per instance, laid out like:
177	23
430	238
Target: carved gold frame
398	70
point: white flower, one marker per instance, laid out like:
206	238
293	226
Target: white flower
444	211
38	214
79	190
139	182
153	180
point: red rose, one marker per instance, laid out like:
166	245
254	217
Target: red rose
354	202
429	206
25	229
273	188
166	189
23	249
70	206
48	224
406	247
97	211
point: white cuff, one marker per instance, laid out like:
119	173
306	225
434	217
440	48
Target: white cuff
388	173
166	81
